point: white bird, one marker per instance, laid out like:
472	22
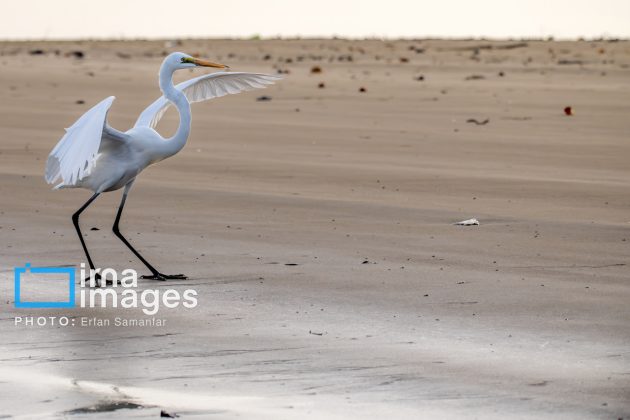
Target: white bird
97	157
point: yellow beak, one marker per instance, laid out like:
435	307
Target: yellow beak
206	63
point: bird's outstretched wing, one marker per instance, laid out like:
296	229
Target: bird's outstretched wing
206	87
74	156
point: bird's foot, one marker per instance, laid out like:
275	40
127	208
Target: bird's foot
97	281
164	277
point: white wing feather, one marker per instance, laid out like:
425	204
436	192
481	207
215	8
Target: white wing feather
74	156
206	87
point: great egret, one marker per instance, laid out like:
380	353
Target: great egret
97	157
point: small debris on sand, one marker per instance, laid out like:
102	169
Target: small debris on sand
475	77
469	222
568	111
166	414
570	62
36	52
321	85
542	383
94	228
474	48
123	55
75	54
419	78
315	333
362	89
316	70
477	122
263	98
79	102
404	59
512	46
105	407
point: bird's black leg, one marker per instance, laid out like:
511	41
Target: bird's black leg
155	275
75	222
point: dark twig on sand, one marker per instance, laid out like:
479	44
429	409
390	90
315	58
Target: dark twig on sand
475	77
477	122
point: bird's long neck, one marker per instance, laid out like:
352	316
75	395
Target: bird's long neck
175	143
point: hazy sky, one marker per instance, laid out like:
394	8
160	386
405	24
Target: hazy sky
53	19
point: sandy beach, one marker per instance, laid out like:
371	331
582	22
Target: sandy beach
317	228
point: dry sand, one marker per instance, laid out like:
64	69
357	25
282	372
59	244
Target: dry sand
524	316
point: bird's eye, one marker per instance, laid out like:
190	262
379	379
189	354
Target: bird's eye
183	59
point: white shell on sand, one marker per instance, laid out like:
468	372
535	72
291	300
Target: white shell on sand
469	222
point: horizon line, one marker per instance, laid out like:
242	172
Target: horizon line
603	38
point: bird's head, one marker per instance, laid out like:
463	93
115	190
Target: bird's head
178	60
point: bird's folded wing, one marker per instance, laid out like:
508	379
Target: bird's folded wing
74	156
206	87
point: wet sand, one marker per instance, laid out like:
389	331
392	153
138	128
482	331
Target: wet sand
317	229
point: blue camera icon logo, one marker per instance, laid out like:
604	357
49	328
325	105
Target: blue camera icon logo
19	272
